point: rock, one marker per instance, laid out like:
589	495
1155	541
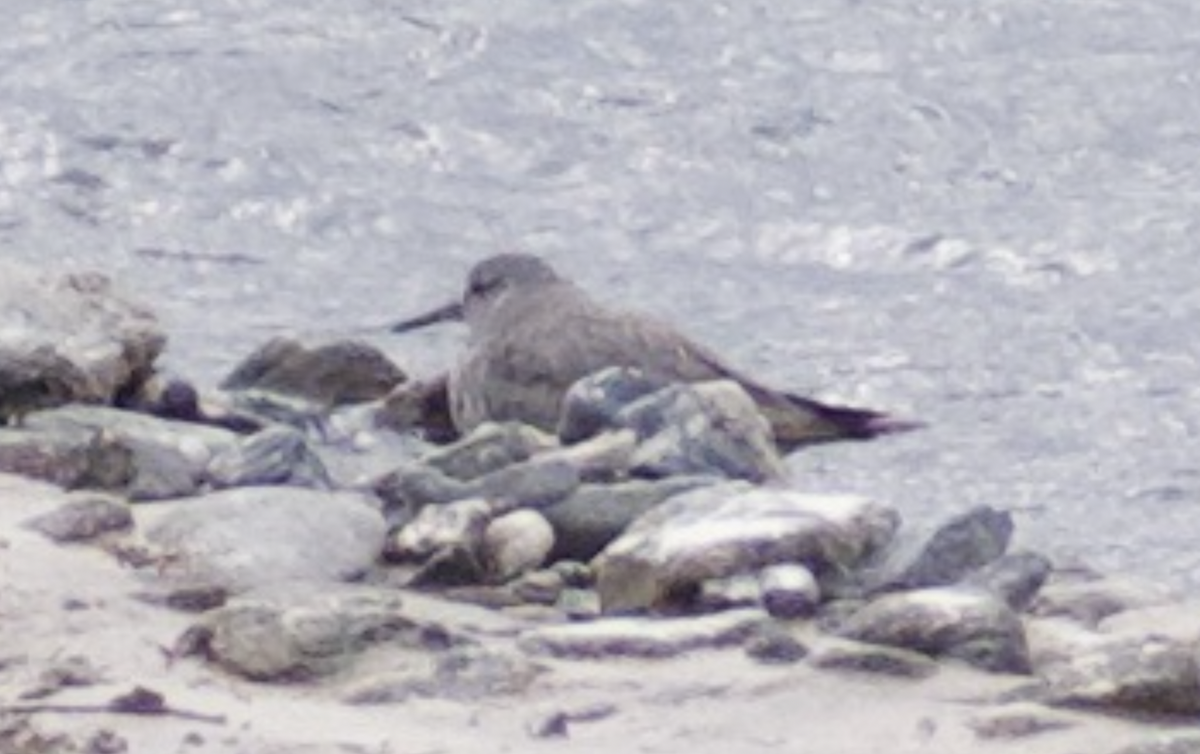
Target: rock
1015	578
605	458
72	459
334	374
953	551
297	631
1090	600
594	404
774	645
858	657
515	543
420	406
437	527
178	400
966	624
85	517
1145	674
489	448
69	327
539	587
733	528
591	518
739	590
171	455
1055	640
578	604
243	538
410	487
789	591
531	484
557	724
455	565
1017	721
707	428
280	455
1179	621
642	637
1164	743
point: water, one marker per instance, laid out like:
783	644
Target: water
980	214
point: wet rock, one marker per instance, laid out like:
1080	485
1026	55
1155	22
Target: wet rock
733	528
462	673
535	484
1140	674
76	319
789	591
1015	578
642	637
72	459
36	379
953	551
297	631
1089	600
1017	721
437	527
84	517
708	428
591	518
170	454
333	374
280	455
594	404
410	487
966	624
516	543
251	536
489	448
858	657
419	406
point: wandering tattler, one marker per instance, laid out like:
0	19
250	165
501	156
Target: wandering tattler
533	334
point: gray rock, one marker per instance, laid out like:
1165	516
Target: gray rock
642	637
1164	743
333	374
708	428
532	484
1015	577
595	515
448	567
1090	600
35	379
421	407
516	543
489	448
594	404
733	528
966	624
72	459
437	527
463	673
1138	674
774	645
1017	721
410	487
543	587
739	590
78	319
298	631
607	457
859	657
279	455
951	552
251	536
85	517
170	454
1175	620
789	591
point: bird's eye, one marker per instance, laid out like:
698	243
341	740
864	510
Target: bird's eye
483	287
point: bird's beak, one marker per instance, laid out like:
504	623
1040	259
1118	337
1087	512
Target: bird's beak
448	313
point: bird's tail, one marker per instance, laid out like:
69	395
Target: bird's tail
799	421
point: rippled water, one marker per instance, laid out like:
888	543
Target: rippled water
983	214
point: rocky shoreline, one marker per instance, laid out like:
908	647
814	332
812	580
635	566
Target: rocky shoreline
291	565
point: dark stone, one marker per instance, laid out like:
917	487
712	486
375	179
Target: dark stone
1015	578
587	521
37	379
163	472
335	374
532	484
594	404
489	448
69	458
876	659
773	645
449	567
1147	674
84	518
420	406
953	551
276	456
409	488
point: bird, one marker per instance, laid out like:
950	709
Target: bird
534	333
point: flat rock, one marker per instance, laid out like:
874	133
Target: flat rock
967	624
1015	577
1017	722
948	553
79	321
466	673
71	459
734	528
1164	743
279	455
247	537
643	637
877	659
489	448
1090	600
1147	674
1176	620
84	517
